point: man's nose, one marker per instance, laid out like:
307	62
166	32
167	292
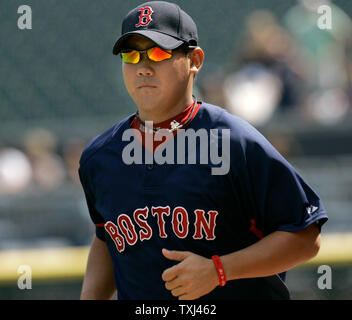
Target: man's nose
145	71
144	66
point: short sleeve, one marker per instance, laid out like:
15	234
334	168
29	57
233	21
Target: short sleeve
94	214
282	200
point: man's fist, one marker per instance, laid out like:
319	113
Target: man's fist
193	277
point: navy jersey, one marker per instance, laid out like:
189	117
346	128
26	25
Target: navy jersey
138	209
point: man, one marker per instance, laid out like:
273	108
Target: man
179	226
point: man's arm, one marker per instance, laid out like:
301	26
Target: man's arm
276	253
196	276
98	283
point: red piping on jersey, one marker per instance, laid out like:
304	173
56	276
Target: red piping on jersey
100	224
255	230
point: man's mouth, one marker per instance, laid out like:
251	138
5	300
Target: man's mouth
146	86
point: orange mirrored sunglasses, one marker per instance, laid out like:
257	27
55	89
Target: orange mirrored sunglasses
154	54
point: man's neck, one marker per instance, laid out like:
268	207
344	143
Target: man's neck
160	115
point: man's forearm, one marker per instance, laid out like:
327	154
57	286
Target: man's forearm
98	283
273	254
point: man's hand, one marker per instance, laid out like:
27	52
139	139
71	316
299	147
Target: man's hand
192	278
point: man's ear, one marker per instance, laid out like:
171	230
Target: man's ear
196	58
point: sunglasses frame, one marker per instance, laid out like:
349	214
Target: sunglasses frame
185	48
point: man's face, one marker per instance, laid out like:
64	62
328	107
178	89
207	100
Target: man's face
156	85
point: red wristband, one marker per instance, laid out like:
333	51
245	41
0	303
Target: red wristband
220	270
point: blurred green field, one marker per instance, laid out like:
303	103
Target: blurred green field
57	273
70	262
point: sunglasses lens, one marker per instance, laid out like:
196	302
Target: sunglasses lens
130	56
158	54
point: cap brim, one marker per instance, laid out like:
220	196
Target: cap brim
164	41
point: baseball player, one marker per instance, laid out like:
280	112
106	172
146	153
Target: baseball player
178	229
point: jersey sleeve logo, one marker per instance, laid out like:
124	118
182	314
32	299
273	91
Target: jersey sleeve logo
145	16
311	209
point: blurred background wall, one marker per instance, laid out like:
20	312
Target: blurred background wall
275	63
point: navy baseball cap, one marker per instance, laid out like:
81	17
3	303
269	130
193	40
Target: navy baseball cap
164	23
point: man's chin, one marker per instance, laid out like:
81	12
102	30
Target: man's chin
148	109
148	103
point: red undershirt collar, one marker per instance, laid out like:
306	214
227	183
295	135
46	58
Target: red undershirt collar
181	118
